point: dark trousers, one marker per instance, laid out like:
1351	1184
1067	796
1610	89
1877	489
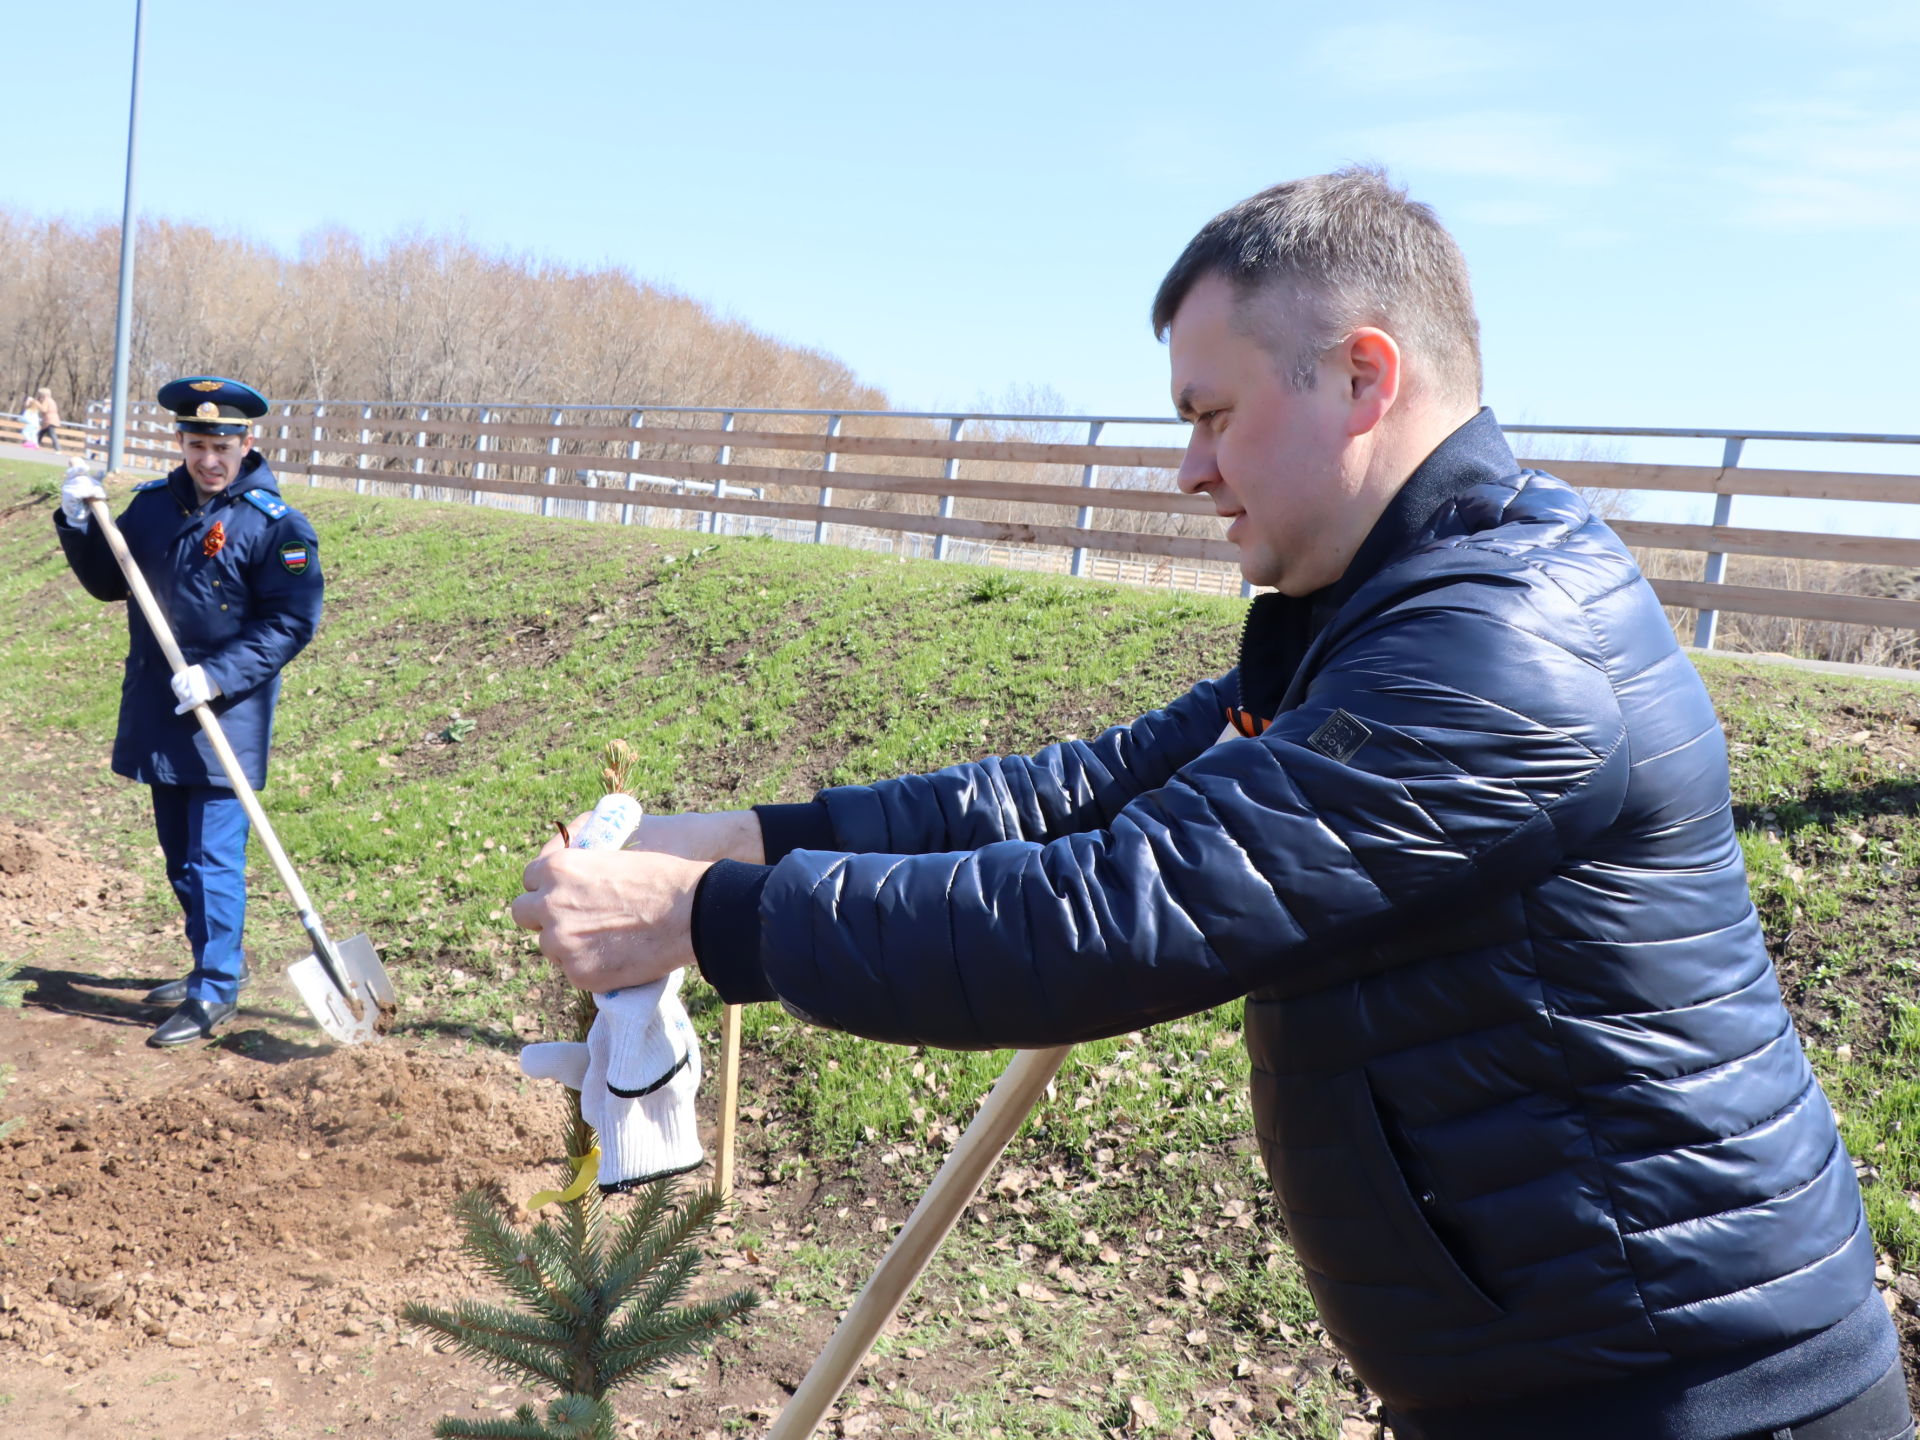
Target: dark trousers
203	834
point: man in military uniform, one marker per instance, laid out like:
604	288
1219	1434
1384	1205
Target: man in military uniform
237	572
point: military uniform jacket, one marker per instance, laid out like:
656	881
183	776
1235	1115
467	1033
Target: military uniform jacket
238	579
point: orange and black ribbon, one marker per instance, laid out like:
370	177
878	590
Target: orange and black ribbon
1246	722
216	540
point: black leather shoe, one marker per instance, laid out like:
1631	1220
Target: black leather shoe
194	1020
175	991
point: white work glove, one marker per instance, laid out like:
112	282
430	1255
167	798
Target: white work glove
80	486
191	687
637	1075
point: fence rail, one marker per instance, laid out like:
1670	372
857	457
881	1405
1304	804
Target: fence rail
1041	492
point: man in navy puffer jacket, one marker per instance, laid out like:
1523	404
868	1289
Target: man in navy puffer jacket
1458	827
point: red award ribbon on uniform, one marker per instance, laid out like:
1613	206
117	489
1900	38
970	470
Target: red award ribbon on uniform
216	538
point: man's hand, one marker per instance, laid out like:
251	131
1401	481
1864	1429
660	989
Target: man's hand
80	486
191	687
610	918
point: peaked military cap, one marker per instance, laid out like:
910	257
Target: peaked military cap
209	405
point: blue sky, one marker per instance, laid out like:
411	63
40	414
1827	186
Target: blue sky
1693	214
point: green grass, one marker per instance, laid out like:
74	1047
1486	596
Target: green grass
740	671
745	671
1826	778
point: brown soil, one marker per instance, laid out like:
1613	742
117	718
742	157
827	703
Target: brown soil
215	1241
45	890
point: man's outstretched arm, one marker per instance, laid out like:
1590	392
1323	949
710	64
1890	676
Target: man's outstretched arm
1463	766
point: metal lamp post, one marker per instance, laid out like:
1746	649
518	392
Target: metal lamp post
123	314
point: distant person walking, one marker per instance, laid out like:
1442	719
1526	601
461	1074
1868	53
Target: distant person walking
49	413
30	423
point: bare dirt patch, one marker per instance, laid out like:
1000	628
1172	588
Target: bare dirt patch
215	1241
44	888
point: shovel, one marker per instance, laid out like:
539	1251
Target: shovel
345	985
1017	1091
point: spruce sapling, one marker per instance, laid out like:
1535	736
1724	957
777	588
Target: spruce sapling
600	1300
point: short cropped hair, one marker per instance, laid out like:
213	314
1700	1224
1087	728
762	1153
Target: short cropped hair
1357	251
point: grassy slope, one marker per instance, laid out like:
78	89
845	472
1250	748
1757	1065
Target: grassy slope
739	671
1826	782
747	671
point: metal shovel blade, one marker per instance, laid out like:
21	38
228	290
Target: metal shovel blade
366	981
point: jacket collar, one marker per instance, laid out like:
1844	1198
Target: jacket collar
254	475
1471	456
1281	627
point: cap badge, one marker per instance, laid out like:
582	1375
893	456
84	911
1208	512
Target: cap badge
207	385
207	411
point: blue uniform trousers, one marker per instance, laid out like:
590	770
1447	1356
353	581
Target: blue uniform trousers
203	834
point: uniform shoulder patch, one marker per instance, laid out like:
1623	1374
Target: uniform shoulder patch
148	485
1339	737
296	556
265	501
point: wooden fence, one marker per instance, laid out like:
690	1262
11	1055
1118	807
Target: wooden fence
1084	507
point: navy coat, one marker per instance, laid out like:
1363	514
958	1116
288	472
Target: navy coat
240	613
1522	1076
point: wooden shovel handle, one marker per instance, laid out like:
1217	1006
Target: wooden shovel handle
729	1098
229	762
1017	1091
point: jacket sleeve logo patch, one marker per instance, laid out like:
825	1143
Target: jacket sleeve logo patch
295	557
1339	737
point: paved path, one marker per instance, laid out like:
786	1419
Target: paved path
43	456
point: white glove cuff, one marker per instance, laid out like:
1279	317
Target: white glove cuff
653	1138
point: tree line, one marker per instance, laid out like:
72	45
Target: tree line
422	317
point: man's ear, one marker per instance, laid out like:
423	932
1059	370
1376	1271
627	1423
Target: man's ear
1373	370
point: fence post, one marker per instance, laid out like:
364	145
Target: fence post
313	448
638	420
420	461
722	455
366	437
827	459
1709	621
480	448
1089	478
551	474
280	451
951	471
